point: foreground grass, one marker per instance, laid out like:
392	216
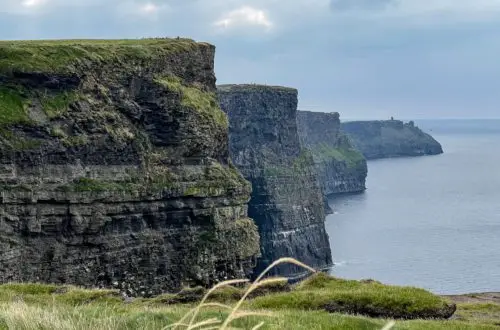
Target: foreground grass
369	298
36	306
97	316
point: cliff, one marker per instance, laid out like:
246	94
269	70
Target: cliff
390	138
341	168
114	167
286	202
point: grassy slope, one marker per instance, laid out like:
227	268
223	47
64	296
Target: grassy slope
354	296
34	306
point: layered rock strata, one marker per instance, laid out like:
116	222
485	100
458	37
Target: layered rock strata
115	169
286	203
341	168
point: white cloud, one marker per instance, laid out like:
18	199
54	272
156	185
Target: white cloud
32	3
244	16
142	10
149	8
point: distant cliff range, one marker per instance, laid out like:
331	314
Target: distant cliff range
390	138
341	168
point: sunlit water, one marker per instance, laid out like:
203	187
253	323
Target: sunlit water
431	222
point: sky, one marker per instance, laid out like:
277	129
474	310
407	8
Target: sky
367	59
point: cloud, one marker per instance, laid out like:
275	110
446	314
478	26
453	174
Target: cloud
32	3
244	16
451	9
343	5
143	10
354	56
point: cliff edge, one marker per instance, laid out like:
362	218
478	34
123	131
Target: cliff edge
287	202
341	168
390	138
115	169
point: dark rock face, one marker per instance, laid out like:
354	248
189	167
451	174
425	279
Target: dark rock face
390	138
115	172
286	202
341	168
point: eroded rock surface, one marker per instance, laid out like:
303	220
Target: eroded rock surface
115	169
341	168
390	138
286	203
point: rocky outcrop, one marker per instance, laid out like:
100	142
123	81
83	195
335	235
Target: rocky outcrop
341	168
286	202
115	168
390	138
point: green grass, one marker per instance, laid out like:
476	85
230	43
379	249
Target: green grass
301	164
369	298
254	88
12	107
488	313
218	180
205	103
15	142
68	56
351	157
84	184
56	105
44	307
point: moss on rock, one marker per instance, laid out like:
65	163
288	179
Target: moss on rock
57	104
196	99
12	107
297	166
350	156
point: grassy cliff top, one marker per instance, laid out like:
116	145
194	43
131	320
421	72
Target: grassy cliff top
252	88
319	114
64	56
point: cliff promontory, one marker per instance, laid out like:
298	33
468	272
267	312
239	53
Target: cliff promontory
286	203
115	169
390	138
341	168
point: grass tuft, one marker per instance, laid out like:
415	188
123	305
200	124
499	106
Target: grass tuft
56	105
322	292
12	107
205	103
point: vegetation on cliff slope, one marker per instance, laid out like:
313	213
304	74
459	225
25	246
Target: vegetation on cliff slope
12	107
193	98
297	166
350	156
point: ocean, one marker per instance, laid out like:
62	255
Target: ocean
431	222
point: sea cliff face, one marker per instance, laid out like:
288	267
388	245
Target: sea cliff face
341	168
114	167
287	202
390	138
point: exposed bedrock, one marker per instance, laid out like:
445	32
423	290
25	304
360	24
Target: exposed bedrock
286	203
115	168
341	168
390	138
